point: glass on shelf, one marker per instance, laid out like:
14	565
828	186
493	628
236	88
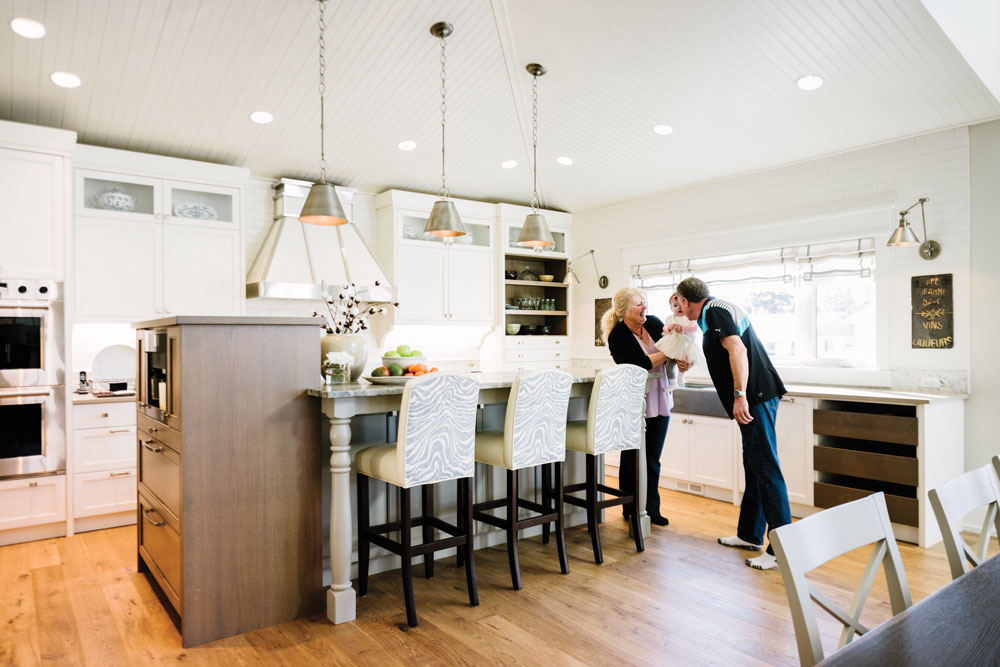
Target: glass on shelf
118	196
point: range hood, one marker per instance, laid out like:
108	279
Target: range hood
299	261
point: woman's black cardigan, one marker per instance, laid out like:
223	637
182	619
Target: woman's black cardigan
625	349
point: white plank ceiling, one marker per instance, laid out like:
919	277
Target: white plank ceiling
180	78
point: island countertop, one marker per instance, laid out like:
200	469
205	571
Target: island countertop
486	381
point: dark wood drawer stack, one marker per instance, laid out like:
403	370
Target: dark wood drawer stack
864	448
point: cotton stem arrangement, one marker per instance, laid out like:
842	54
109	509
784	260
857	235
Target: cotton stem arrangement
347	314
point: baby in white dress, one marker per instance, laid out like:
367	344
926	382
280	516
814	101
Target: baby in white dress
678	341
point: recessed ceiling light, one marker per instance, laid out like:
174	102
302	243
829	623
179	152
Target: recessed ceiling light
65	79
29	28
407	145
564	161
261	117
663	129
508	164
809	82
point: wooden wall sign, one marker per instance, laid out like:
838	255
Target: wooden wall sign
601	306
933	322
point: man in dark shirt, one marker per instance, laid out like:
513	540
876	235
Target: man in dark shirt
750	389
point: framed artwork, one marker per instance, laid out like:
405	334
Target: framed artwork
601	306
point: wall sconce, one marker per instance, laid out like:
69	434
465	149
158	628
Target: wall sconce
904	235
572	279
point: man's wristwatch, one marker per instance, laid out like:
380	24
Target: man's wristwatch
737	393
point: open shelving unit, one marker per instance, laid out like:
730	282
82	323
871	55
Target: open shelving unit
539	264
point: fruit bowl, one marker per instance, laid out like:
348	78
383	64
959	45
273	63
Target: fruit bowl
513	328
546	277
403	361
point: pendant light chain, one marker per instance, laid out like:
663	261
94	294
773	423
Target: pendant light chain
322	92
534	143
444	108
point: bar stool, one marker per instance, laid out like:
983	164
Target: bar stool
614	422
435	443
534	434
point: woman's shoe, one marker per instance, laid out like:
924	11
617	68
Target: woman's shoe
659	520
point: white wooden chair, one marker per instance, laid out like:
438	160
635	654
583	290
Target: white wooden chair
614	422
952	501
805	545
435	443
534	434
996	466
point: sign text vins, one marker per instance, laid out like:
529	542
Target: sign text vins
931	299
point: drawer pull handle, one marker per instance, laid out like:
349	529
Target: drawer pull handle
148	444
158	521
787	400
104	415
557	354
32	485
119	474
119	430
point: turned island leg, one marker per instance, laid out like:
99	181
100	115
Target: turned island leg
340	597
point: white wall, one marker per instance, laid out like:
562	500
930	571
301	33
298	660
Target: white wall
981	408
824	199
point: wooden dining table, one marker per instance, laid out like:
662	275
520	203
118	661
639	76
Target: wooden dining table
956	625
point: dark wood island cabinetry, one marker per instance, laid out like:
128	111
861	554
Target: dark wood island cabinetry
230	465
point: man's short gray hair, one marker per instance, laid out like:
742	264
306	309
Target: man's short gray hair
693	289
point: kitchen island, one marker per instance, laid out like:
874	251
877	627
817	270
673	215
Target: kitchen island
342	402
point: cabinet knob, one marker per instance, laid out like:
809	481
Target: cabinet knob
104	415
557	354
32	484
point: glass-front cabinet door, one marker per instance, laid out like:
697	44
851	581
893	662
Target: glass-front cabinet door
202	205
478	233
100	194
513	232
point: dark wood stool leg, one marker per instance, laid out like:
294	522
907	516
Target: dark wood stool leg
427	512
460	522
546	497
363	542
639	546
406	555
470	567
595	536
560	539
515	570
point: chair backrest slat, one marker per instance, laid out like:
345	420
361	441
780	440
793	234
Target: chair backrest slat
952	501
805	545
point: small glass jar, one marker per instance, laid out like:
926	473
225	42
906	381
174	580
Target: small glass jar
337	373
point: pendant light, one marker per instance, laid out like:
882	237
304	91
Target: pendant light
322	206
443	221
535	231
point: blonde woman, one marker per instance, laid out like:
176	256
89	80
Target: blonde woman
631	336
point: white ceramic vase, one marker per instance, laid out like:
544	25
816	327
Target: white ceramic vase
354	344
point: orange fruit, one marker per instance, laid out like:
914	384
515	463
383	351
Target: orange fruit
433	370
419	373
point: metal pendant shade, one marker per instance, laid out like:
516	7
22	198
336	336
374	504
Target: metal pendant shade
444	221
535	230
903	235
322	206
571	277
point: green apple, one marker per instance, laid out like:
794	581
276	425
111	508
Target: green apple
391	353
416	353
403	350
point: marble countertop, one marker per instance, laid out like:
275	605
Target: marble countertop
82	399
486	381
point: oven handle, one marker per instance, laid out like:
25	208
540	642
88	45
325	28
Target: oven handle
26	396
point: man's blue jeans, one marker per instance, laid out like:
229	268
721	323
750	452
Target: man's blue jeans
765	501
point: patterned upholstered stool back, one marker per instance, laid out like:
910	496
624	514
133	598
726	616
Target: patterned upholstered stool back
617	406
535	427
437	428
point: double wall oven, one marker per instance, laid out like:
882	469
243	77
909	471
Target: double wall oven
32	378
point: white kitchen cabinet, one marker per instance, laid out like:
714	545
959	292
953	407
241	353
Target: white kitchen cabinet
118	269
794	433
526	353
34	194
104	464
201	271
32	501
699	451
439	281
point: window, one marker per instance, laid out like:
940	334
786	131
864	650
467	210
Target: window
810	305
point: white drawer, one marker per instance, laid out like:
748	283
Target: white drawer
535	365
32	501
529	354
95	415
96	493
537	342
103	448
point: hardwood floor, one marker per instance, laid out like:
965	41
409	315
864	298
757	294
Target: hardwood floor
685	600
